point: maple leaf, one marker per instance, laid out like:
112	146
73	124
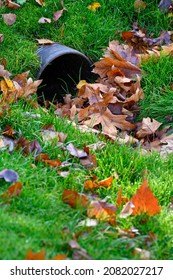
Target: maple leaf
36	256
148	127
108	121
74	199
145	201
94	6
102	211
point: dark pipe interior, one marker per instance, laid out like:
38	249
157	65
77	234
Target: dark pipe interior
62	75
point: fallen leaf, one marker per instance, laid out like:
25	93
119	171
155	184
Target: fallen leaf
60	257
8	131
102	211
120	199
36	256
143	254
58	14
127	210
9	175
40	2
45	41
79	253
13	190
139	5
44	20
165	5
144	201
9	19
28	147
76	152
4	73
148	127
1	38
94	6
74	199
88	223
12	5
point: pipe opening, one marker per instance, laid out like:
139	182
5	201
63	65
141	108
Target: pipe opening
61	76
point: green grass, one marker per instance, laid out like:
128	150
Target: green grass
38	218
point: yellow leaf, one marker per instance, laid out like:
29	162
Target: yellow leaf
94	6
81	84
9	83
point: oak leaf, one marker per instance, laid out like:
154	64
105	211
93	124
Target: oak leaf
145	201
108	121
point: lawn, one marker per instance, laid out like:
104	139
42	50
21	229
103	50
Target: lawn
38	218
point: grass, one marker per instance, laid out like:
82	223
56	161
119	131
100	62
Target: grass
38	218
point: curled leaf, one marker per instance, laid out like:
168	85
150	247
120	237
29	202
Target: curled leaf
9	175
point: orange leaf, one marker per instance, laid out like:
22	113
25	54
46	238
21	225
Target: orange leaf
102	211
36	256
106	182
74	199
120	199
89	184
145	201
13	190
60	257
54	163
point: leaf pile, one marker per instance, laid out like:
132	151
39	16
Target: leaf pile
111	104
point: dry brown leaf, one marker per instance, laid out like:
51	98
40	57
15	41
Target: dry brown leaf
45	41
9	19
40	2
1	38
102	211
76	152
4	73
127	210
145	201
58	14
12	5
109	122
148	127
74	199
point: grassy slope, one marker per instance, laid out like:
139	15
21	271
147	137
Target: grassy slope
38	217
